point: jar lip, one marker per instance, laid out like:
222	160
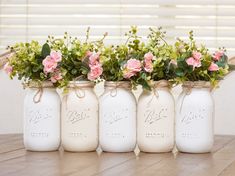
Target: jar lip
161	84
74	84
116	84
196	84
44	84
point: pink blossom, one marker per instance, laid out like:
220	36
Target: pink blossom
94	59
95	72
197	55
213	67
56	56
132	67
148	64
56	76
173	62
88	53
8	68
217	55
49	64
193	62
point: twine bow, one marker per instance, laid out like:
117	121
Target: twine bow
40	87
115	85
78	88
159	85
189	85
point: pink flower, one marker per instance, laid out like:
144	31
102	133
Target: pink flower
217	55
88	53
148	64
193	62
213	67
197	55
7	68
95	72
56	76
173	62
49	64
56	56
132	67
94	59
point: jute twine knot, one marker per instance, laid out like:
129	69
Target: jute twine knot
79	89
115	85
40	87
189	85
159	85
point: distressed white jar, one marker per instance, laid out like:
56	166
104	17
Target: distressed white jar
155	119
117	113
195	118
79	124
42	118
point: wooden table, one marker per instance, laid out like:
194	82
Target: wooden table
15	160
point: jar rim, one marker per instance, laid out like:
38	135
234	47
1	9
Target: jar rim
197	84
43	84
74	84
116	84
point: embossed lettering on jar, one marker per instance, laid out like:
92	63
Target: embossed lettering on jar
80	117
117	118
194	118
41	118
155	119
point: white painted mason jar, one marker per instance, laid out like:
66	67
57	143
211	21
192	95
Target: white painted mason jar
117	123
195	118
155	119
79	124
41	118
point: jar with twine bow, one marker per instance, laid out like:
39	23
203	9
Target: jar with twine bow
79	124
41	117
195	118
117	117
155	118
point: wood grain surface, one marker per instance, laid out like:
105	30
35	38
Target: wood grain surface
16	161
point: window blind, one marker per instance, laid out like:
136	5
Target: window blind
213	21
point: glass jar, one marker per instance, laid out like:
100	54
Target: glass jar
195	118
41	118
117	113
79	124
155	119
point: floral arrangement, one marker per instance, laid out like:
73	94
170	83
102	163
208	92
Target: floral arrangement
69	59
198	64
159	60
58	61
123	62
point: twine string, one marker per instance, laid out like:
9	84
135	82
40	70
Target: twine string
188	86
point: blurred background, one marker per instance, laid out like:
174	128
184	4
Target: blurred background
213	23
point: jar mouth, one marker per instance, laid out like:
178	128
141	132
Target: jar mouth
118	84
44	84
161	84
74	84
197	84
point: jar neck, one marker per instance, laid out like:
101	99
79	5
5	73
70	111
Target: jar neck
81	85
110	85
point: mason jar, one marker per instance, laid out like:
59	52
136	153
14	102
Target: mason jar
117	113
195	118
41	118
155	119
79	124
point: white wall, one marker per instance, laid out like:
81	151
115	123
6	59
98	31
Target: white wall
12	94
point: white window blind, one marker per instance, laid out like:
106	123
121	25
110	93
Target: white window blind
213	21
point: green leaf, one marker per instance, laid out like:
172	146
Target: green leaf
45	50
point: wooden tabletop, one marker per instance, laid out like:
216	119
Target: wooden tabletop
15	160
